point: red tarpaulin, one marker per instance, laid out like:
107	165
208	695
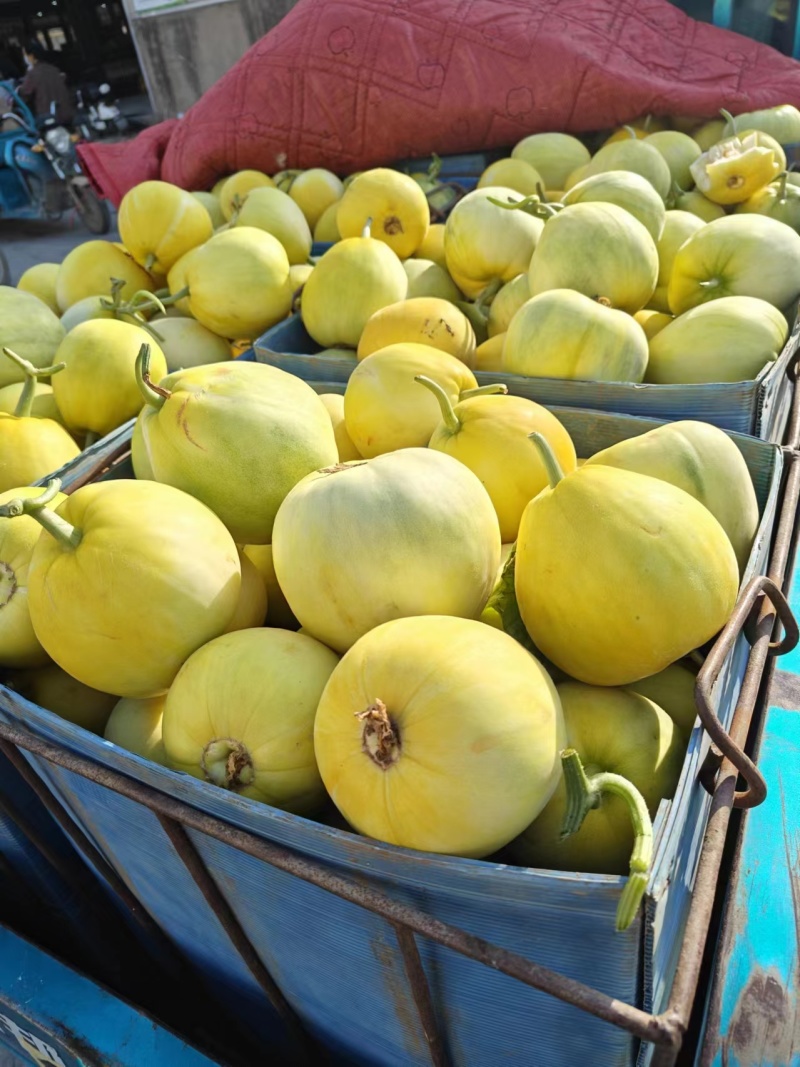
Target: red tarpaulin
347	84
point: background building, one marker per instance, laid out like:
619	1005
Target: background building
90	39
184	46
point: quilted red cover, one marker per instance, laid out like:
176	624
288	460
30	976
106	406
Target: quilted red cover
347	84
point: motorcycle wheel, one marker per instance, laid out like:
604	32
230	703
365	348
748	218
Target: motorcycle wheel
93	211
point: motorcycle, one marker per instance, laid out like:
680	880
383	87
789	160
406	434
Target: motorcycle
40	175
97	114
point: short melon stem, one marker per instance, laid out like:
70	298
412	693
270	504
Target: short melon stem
117	285
367	231
449	417
583	795
90	438
36	507
548	457
631	132
782	186
227	763
32	375
380	740
150	261
153	394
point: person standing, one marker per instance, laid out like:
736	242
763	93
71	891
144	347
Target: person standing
44	85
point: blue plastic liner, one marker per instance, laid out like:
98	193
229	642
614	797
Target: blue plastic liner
759	407
42	887
340	966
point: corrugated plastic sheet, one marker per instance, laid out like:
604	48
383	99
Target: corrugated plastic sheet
340	966
759	407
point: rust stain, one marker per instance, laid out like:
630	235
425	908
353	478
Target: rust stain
83	1049
396	985
765	1025
764	1022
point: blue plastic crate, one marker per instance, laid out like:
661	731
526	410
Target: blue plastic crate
453	168
759	407
339	966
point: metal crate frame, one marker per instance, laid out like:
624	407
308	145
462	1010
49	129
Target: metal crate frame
761	609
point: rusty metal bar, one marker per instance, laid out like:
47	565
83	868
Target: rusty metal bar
420	990
104	463
687	973
193	862
638	1022
726	744
792	435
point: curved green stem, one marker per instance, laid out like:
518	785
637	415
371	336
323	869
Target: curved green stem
784	177
150	261
36	507
144	300
449	417
531	205
367	231
674	194
631	132
173	298
729	119
153	394
487	296
484	390
32	375
548	457
583	795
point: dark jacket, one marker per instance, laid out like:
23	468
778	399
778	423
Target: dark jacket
44	84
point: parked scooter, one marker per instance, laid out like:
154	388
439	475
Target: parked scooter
97	115
40	175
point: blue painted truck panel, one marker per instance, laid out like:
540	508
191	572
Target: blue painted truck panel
52	1016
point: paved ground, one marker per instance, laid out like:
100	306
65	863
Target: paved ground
26	243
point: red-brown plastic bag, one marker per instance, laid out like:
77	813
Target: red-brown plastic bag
347	84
